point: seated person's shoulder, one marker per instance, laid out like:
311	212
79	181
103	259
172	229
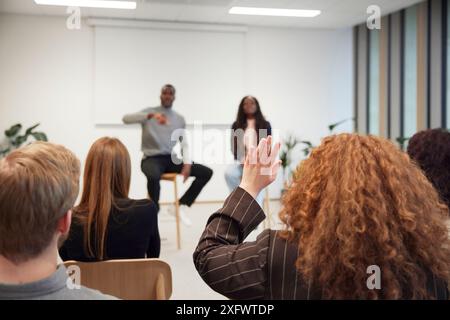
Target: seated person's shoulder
91	294
145	212
150	109
142	207
179	116
145	203
80	293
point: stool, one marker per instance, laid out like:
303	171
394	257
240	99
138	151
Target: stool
172	177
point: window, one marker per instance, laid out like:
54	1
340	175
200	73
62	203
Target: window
409	113
374	82
447	109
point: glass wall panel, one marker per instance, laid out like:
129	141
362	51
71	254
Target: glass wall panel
410	73
374	82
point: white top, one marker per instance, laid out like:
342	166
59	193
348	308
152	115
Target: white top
250	136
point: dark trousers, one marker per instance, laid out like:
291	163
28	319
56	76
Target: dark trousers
153	167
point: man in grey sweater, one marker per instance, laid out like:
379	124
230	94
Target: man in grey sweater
39	185
162	128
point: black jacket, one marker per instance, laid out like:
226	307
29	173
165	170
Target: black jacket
132	233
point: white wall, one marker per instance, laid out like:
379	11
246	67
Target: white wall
128	70
303	79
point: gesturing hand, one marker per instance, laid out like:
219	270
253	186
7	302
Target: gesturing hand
260	167
159	117
186	171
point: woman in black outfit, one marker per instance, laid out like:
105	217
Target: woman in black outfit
107	224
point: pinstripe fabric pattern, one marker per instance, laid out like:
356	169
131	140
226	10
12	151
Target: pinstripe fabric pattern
262	269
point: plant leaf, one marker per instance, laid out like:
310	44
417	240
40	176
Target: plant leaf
334	125
39	136
402	140
306	151
5	151
308	143
30	129
17	142
14	130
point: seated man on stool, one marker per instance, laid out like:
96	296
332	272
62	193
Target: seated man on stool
158	124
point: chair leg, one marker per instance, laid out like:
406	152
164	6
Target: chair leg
177	213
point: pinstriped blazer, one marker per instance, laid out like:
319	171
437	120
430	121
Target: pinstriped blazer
263	269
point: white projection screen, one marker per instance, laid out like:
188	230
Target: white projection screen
132	64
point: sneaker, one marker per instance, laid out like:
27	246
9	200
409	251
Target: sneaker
183	216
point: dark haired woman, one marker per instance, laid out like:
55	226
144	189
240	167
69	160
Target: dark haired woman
431	151
107	224
248	129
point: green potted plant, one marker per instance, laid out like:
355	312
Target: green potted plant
308	146
290	143
402	141
14	139
288	146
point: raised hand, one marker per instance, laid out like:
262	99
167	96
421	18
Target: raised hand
260	167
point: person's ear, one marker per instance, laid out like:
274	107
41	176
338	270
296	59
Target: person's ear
64	223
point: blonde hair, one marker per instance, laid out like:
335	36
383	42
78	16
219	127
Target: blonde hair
359	201
38	185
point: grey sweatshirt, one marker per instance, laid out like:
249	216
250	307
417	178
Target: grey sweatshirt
52	288
157	139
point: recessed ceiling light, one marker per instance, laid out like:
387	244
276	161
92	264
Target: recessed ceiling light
90	3
274	12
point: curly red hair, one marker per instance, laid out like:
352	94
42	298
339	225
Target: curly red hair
359	201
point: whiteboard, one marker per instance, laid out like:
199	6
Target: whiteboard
132	64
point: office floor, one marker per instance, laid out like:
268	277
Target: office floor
187	284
